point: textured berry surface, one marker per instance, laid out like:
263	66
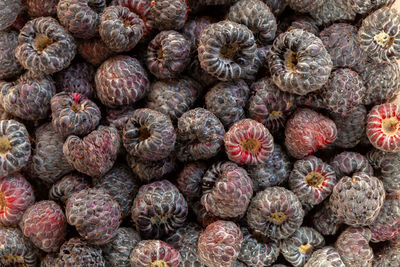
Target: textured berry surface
190	178
325	221
325	257
68	185
42	8
9	12
348	163
333	11
365	6
94	51
9	65
76	252
304	6
193	28
168	14
304	23
154	253
387	256
148	171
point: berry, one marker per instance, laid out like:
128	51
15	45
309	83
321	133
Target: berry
15	147
120	29
307	131
298	248
121	80
193	28
16	195
199	136
357	200
365	6
42	8
80	17
49	261
219	244
304	23
49	162
148	171
9	12
387	256
383	129
324	221
44	223
9	65
74	114
227	101
248	142
275	212
158	209
195	71
95	214
227	190
348	163
333	11
95	154
45	46
76	252
203	217
168	14
230	56
118	117
276	6
190	178
168	54
154	253
312	180
149	135
94	51
304	6
68	185
325	257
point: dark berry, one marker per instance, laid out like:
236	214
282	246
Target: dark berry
154	253
148	171
68	185
168	14
348	163
9	65
76	252
325	257
333	11
193	29
42	8
190	179
94	51
9	10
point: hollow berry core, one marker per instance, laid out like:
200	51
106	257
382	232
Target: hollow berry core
305	249
384	39
292	61
314	179
275	113
277	217
229	51
5	145
250	145
158	263
41	42
390	126
144	133
159	219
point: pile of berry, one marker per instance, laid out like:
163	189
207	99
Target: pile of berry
167	133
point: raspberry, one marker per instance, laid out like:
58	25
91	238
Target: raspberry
74	114
333	11
299	62
348	163
120	29
298	248
307	131
173	97
80	17
168	54
95	214
94	51
379	36
49	261
158	209
168	14
353	207
200	135
305	6
383	127
121	80
219	244
16	195
304	23
42	8
95	154
190	178
45	46
312	180
193	29
227	190
9	12
275	212
248	142
269	105
68	185
324	221
203	217
230	56
49	162
195	71
325	257
276	6
154	253
15	147
387	256
148	171
274	171
9	65
76	252
44	223
227	100
149	135
118	117
365	6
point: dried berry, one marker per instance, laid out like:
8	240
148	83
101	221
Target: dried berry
154	253
9	65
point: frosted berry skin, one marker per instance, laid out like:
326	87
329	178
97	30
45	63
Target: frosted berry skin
312	180
42	8
121	185
190	178
227	190
219	244
256	15
304	6
120	81
94	51
325	257
44	223
275	212
365	6
357	200
9	65
269	105
158	209
149	135
333	11
324	221
77	252
199	136
9	12
16	250
154	253
45	46
95	154
168	14
28	97
347	163
299	62
48	159
193	28
95	214
383	129
80	17
16	195
307	131
379	35
68	185
148	171
227	101
248	142
353	248
298	248
117	252
15	147
120	29
168	54
173	97
231	55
